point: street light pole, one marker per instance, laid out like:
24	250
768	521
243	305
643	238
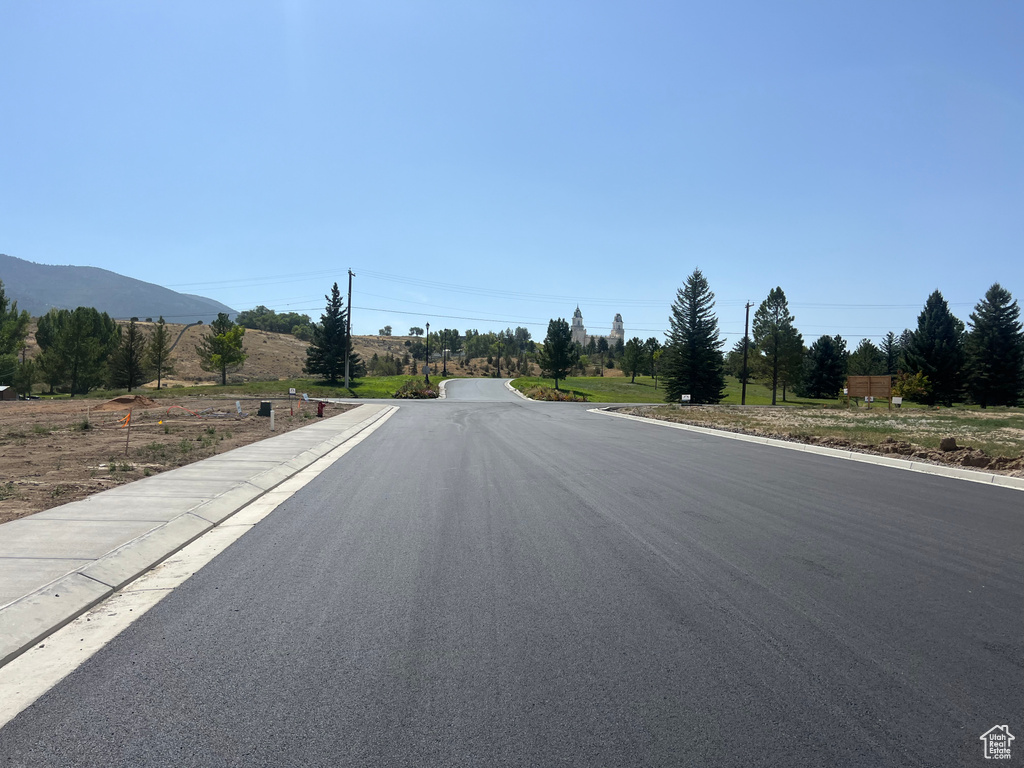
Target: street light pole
426	376
348	330
746	326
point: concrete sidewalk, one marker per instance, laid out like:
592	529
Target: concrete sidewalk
54	565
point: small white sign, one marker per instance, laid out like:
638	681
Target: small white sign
238	405
684	398
305	397
897	401
291	390
846	391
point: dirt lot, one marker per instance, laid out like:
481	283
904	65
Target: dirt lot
992	440
53	452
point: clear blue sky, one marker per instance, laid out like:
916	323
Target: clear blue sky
504	161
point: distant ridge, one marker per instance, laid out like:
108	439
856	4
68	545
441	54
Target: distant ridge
39	288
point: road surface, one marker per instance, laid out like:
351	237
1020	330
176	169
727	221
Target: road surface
489	581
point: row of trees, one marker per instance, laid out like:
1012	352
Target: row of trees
261	318
941	361
82	349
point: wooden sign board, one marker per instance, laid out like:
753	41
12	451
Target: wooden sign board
869	387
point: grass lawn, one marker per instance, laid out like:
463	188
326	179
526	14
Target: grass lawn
600	389
607	389
368	387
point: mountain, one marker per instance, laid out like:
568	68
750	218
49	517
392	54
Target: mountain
39	288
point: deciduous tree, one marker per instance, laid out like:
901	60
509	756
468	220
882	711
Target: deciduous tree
633	358
221	349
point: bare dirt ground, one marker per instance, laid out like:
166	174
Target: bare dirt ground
991	440
56	451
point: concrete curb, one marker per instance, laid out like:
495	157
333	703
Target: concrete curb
31	618
956	473
514	391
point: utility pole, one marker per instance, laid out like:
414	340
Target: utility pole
444	353
348	331
426	376
746	325
499	355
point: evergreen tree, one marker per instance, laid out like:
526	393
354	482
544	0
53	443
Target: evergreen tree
692	363
904	345
776	341
936	350
891	353
128	360
866	360
221	349
559	355
633	358
75	346
734	359
158	356
13	325
995	350
325	356
824	373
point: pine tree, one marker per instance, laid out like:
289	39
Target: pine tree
692	363
775	339
75	346
824	372
158	357
866	360
325	356
221	349
128	360
936	349
995	350
13	325
890	349
559	355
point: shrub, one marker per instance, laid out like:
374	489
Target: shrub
549	393
915	387
415	389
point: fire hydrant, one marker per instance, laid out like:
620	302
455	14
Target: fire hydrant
320	408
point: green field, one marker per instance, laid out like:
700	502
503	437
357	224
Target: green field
367	388
609	389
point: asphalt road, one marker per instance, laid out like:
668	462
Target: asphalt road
487	581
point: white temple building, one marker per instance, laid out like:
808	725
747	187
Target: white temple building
579	331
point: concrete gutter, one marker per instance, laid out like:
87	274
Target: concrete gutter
972	475
56	564
514	391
